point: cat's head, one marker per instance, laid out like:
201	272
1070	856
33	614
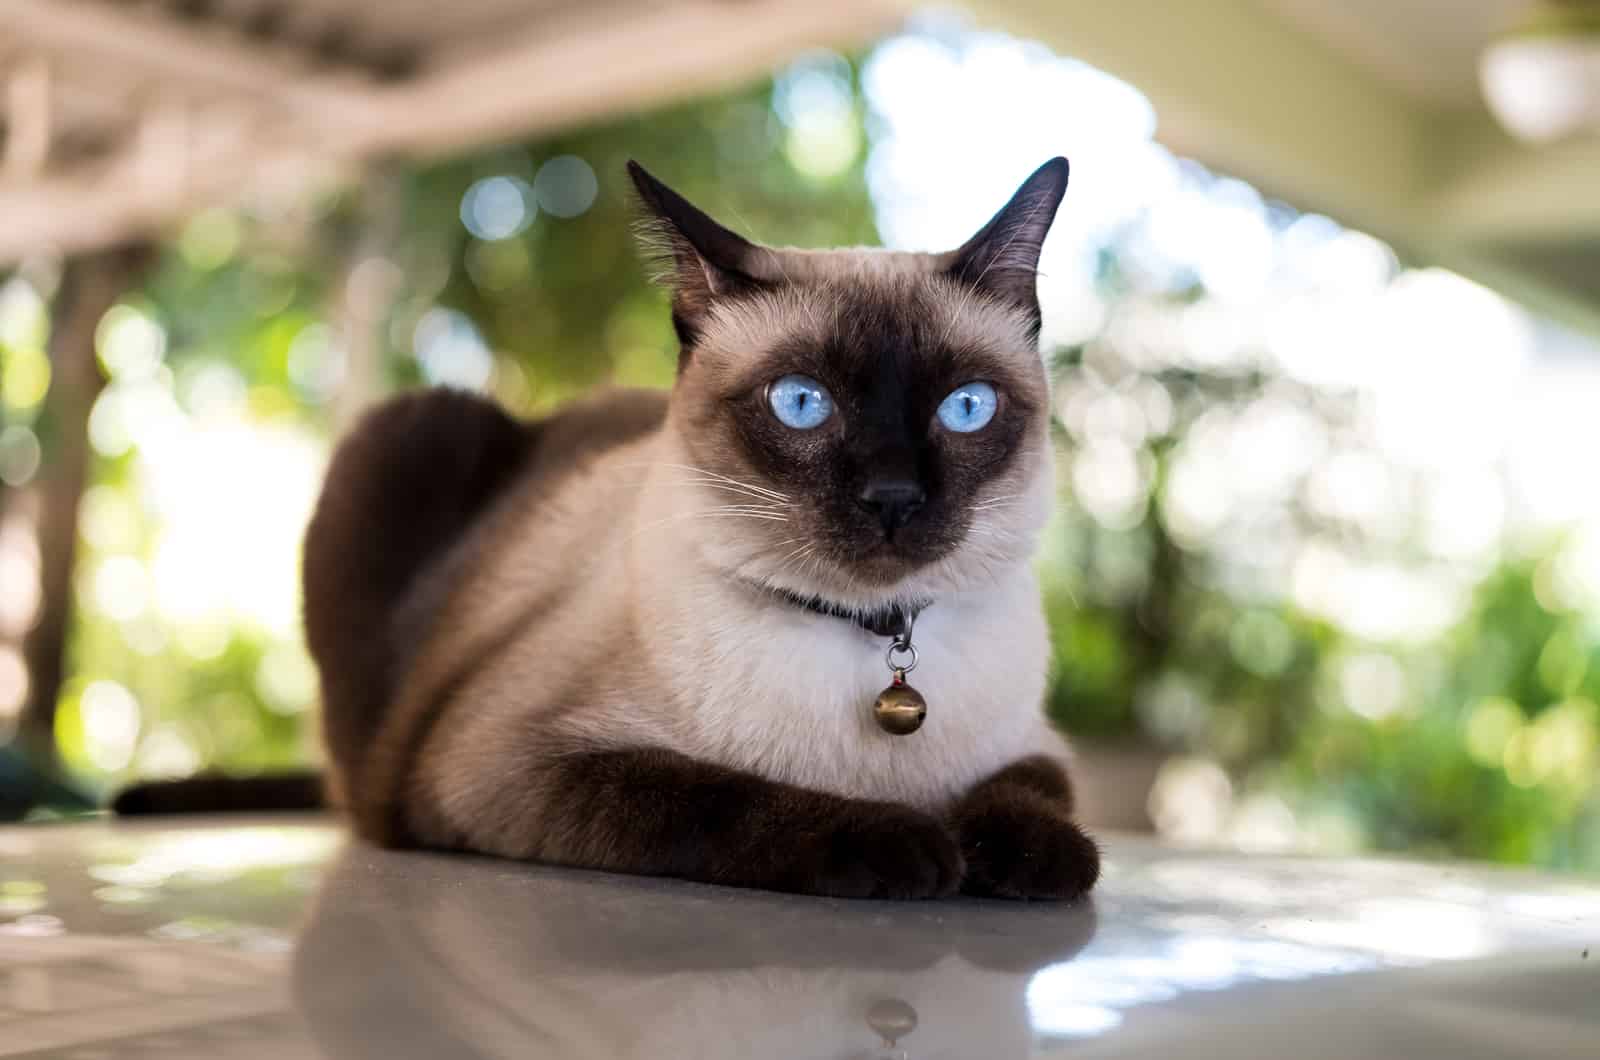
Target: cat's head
886	414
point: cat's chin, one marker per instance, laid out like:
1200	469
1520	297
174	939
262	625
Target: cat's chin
885	567
895	572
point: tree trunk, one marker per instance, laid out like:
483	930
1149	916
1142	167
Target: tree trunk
90	284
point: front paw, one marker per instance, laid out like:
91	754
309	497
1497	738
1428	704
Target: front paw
881	850
1022	846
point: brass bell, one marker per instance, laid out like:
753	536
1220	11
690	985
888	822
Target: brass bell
900	708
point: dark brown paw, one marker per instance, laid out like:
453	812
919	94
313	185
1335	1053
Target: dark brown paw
879	850
1025	847
1040	774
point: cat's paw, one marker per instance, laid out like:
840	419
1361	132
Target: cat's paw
1024	847
880	850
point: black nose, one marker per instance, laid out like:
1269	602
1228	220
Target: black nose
893	500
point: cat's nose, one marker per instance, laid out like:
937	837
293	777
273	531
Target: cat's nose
893	500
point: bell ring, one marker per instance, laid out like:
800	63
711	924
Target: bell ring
900	708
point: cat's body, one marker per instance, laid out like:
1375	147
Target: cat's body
578	640
578	605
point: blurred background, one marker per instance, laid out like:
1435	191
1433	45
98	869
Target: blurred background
1323	308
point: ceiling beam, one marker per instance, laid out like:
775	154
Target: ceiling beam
551	76
28	124
1239	89
183	54
603	66
179	160
1506	191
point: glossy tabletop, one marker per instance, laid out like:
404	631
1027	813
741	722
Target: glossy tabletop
279	938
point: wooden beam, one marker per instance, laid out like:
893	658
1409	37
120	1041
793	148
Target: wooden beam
147	185
541	81
1241	90
554	77
28	119
1244	91
188	57
1516	192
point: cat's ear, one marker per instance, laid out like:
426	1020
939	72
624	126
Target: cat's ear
1003	258
702	260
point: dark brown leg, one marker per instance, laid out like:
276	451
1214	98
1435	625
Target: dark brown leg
661	813
1018	837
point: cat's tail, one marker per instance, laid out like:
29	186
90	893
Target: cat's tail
217	793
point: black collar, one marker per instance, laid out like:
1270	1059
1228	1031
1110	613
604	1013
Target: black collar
892	621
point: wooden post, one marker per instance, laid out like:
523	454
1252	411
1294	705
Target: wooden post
366	290
90	284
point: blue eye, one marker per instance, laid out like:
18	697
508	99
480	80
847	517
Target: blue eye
969	407
800	402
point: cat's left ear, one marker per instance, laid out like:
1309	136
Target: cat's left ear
1003	258
704	260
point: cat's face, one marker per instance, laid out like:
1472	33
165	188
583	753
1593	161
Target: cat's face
880	420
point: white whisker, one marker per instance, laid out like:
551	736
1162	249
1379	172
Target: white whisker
729	479
712	484
713	513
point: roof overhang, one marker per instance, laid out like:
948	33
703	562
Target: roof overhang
1242	88
120	117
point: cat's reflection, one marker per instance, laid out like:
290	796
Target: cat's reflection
417	956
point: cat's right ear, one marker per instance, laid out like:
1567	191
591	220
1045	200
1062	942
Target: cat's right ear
702	261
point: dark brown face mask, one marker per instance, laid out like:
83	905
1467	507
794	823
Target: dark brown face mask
883	410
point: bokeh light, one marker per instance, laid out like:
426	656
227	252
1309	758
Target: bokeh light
565	186
19	455
498	207
451	351
110	723
815	99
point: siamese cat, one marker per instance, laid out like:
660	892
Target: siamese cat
645	634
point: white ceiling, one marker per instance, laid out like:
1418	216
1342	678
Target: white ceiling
1426	48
